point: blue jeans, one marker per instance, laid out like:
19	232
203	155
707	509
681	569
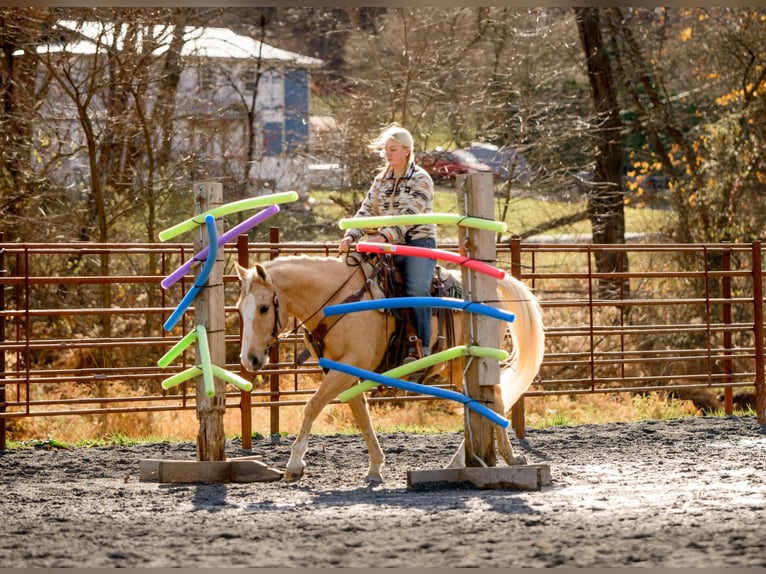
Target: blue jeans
417	273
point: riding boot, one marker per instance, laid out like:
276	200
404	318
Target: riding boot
416	351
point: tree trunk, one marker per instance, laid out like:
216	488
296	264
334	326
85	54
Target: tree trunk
605	199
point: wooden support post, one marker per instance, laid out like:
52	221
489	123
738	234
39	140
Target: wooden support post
209	311
476	199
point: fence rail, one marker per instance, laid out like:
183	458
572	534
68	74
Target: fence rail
90	316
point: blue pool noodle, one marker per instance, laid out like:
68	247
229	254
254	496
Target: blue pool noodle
416	388
399	302
201	279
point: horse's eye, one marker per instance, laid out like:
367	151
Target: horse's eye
263	309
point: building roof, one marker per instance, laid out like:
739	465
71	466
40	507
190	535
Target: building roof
201	42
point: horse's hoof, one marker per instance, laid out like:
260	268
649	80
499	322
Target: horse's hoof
519	459
291	476
373	480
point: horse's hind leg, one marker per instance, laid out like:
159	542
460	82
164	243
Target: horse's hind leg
362	417
503	446
458	459
506	449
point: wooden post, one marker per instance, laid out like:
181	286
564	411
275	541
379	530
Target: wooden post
517	410
274	358
2	355
476	199
246	398
209	311
760	353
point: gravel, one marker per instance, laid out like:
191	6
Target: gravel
680	493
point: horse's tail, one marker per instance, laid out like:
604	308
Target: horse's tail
528	337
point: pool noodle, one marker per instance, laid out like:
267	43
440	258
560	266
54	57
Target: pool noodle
204	359
179	378
423	363
423	218
168	357
222	374
475	264
201	279
226	209
414	387
404	302
200	256
232	378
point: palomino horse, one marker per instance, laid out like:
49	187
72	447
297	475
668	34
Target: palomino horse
301	286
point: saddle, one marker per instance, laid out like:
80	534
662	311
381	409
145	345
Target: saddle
383	279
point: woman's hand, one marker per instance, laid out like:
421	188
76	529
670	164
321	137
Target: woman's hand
344	244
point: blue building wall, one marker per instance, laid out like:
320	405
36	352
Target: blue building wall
293	134
296	110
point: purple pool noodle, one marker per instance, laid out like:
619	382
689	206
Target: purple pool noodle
222	240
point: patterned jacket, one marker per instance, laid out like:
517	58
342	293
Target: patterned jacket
413	193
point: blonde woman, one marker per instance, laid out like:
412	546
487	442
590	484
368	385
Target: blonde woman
400	188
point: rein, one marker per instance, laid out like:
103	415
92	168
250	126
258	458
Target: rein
316	336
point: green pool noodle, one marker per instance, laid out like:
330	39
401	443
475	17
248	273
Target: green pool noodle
227	209
234	379
176	350
179	378
204	359
423	218
402	370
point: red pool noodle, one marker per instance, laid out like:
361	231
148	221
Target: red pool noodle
475	264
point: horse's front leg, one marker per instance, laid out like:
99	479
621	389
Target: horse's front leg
332	384
362	417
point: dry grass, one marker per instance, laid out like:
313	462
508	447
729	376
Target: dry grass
413	417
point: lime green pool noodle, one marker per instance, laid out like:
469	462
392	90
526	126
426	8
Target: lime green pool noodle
421	218
234	379
226	209
204	359
402	370
166	359
179	378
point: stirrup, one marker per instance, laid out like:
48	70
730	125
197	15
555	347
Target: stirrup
415	347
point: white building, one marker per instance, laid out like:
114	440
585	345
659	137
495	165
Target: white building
226	80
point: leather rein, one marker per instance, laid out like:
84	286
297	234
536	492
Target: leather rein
316	336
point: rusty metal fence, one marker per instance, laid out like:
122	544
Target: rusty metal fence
88	317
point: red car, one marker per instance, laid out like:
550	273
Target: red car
443	165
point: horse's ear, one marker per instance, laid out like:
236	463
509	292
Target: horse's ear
241	271
260	270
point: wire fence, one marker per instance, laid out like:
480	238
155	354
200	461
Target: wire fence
81	325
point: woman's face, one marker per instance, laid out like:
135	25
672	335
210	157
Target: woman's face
396	154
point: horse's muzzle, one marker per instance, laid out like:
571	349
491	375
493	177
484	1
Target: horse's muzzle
252	363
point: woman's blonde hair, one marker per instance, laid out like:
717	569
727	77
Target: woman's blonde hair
397	133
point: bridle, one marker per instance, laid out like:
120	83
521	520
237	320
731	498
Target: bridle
277	327
318	333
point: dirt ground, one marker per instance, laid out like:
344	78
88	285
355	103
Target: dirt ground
683	493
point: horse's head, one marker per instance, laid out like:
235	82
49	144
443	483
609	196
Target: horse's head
258	306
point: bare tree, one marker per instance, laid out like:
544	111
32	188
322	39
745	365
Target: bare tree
605	200
20	31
